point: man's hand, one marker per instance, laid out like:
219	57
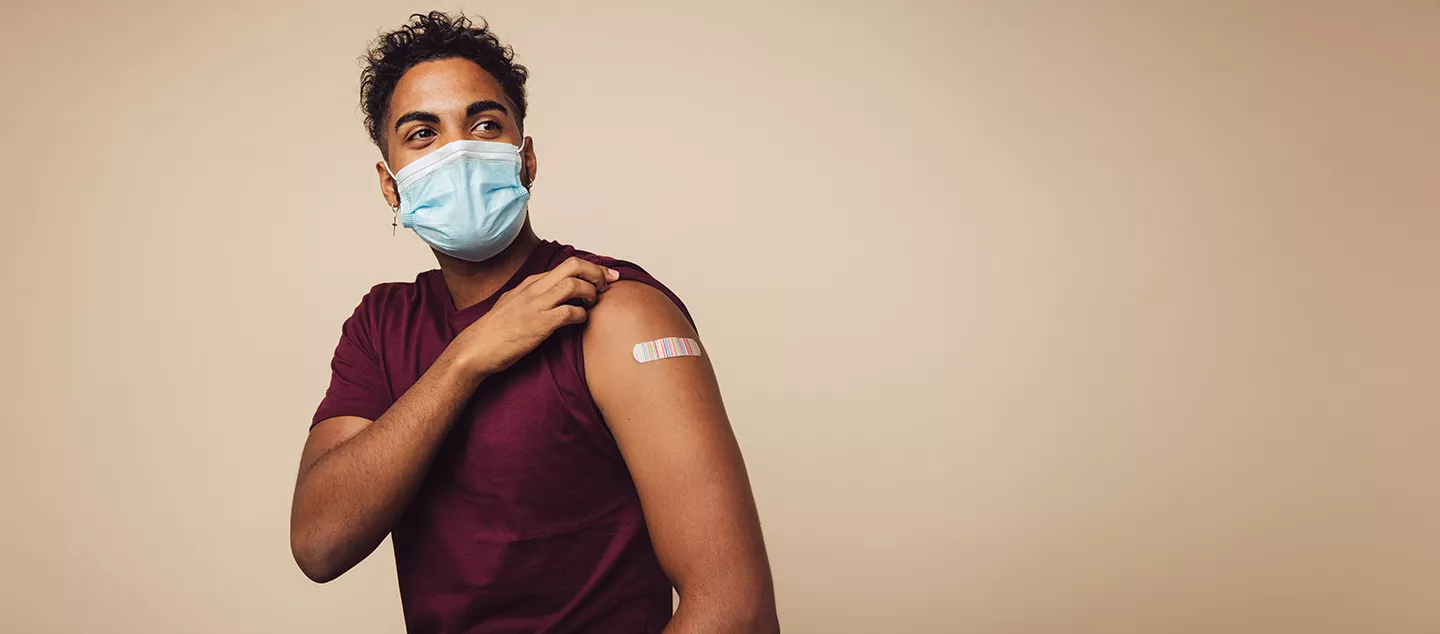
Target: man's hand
357	476
528	314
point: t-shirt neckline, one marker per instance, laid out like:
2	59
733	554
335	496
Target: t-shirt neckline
533	263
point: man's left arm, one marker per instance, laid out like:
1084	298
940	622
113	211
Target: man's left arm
670	424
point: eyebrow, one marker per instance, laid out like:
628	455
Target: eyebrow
483	105
416	115
430	117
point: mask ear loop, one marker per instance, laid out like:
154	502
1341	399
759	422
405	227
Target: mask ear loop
395	210
521	165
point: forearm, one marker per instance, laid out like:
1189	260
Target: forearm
350	497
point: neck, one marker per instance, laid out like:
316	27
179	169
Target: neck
472	282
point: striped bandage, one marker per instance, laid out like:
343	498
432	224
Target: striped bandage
666	348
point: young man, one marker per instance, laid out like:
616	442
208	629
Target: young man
538	470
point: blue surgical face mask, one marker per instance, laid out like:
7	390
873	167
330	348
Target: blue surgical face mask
464	198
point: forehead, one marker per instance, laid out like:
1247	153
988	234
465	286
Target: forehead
444	86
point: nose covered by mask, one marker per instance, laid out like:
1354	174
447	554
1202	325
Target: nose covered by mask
465	198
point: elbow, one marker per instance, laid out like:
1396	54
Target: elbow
319	559
318	571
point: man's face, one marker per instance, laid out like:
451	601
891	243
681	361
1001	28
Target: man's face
447	100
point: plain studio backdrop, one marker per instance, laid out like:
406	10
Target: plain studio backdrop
1115	318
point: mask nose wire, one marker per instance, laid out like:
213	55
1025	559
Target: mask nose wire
520	151
386	164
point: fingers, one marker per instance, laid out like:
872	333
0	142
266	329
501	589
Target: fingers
570	288
598	276
528	281
566	315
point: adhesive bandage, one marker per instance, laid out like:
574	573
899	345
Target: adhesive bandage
666	348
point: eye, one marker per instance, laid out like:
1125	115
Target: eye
487	127
420	133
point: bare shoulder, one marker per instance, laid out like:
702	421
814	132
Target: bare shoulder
627	314
634	312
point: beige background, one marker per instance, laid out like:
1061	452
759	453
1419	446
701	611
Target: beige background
1029	317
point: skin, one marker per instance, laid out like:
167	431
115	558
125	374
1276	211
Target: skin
356	476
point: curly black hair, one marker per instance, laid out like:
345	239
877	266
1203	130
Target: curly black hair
428	37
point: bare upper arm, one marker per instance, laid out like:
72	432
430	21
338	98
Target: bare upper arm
671	427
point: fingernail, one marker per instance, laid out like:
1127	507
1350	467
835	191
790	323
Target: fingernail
612	274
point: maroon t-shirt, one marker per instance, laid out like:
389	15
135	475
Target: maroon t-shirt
528	520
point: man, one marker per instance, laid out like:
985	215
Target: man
541	464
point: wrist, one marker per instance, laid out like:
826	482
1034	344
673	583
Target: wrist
464	366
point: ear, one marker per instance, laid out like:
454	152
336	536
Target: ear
387	185
529	164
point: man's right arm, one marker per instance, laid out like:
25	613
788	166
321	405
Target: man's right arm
357	476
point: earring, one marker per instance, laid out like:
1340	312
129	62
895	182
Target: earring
394	220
